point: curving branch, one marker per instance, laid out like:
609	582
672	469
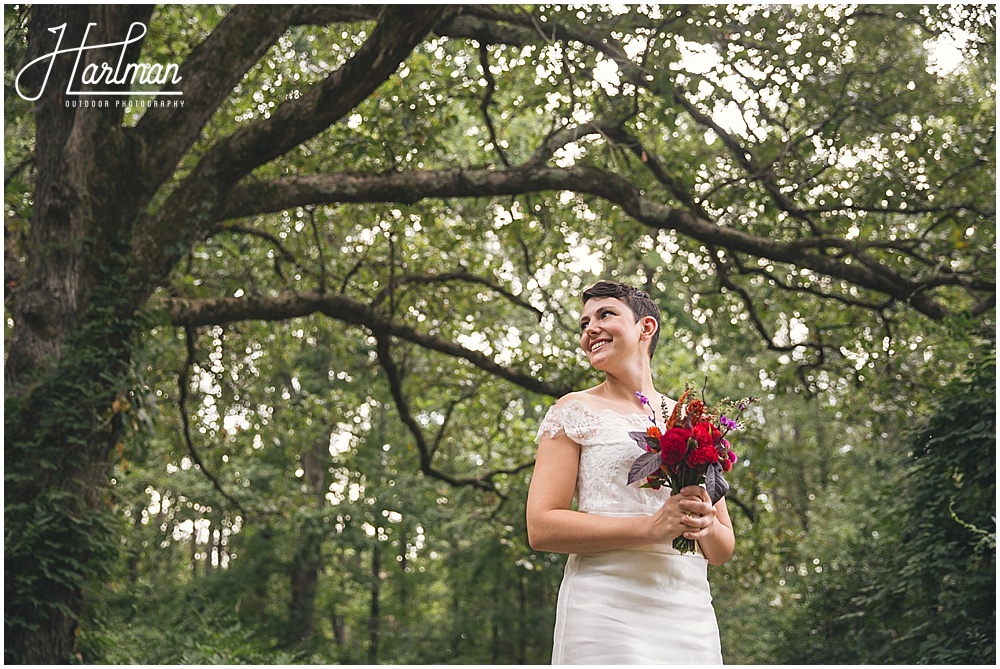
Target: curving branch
747	510
426	449
319	249
208	311
273	240
413	186
463	275
484	104
182	393
723	269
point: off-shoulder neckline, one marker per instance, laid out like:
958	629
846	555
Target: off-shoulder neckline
592	410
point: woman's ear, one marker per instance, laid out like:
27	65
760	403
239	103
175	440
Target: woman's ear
648	326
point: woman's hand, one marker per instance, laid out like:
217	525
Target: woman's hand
706	523
689	511
699	514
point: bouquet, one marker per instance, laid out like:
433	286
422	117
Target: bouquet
691	449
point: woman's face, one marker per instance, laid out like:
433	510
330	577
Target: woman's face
608	330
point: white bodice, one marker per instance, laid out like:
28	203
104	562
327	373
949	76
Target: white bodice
619	592
606	454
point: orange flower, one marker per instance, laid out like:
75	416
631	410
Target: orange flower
695	410
675	415
654	432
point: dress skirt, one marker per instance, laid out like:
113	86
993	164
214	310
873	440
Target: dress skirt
648	605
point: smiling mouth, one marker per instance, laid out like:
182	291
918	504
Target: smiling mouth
597	345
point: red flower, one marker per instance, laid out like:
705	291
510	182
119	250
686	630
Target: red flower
702	455
727	464
673	446
706	434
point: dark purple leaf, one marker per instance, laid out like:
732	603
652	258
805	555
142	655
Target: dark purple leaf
644	466
646	442
714	483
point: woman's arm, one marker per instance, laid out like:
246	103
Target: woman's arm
553	526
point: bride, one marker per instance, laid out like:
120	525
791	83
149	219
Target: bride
627	597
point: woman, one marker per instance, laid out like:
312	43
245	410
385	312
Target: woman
627	596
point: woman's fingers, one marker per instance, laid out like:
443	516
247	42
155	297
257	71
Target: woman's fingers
695	491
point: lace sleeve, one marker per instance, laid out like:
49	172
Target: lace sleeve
573	418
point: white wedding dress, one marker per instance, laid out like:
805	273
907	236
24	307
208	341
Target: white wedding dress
645	605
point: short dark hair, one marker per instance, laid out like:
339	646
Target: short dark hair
639	302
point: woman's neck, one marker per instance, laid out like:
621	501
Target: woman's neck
623	387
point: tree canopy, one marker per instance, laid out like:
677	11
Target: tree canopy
279	332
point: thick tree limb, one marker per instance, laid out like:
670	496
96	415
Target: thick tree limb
322	15
194	312
413	186
188	211
461	26
165	134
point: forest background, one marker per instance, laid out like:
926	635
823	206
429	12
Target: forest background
275	358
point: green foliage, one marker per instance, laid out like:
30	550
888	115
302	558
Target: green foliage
918	586
947	557
297	519
193	625
56	543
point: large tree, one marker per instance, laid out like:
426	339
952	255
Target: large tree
807	173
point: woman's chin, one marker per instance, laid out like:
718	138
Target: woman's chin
598	361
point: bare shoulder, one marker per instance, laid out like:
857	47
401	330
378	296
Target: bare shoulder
586	397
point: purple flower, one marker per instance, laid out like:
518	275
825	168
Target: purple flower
727	423
643	400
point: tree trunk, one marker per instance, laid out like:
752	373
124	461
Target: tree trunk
308	560
376	593
70	350
97	250
339	626
305	579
